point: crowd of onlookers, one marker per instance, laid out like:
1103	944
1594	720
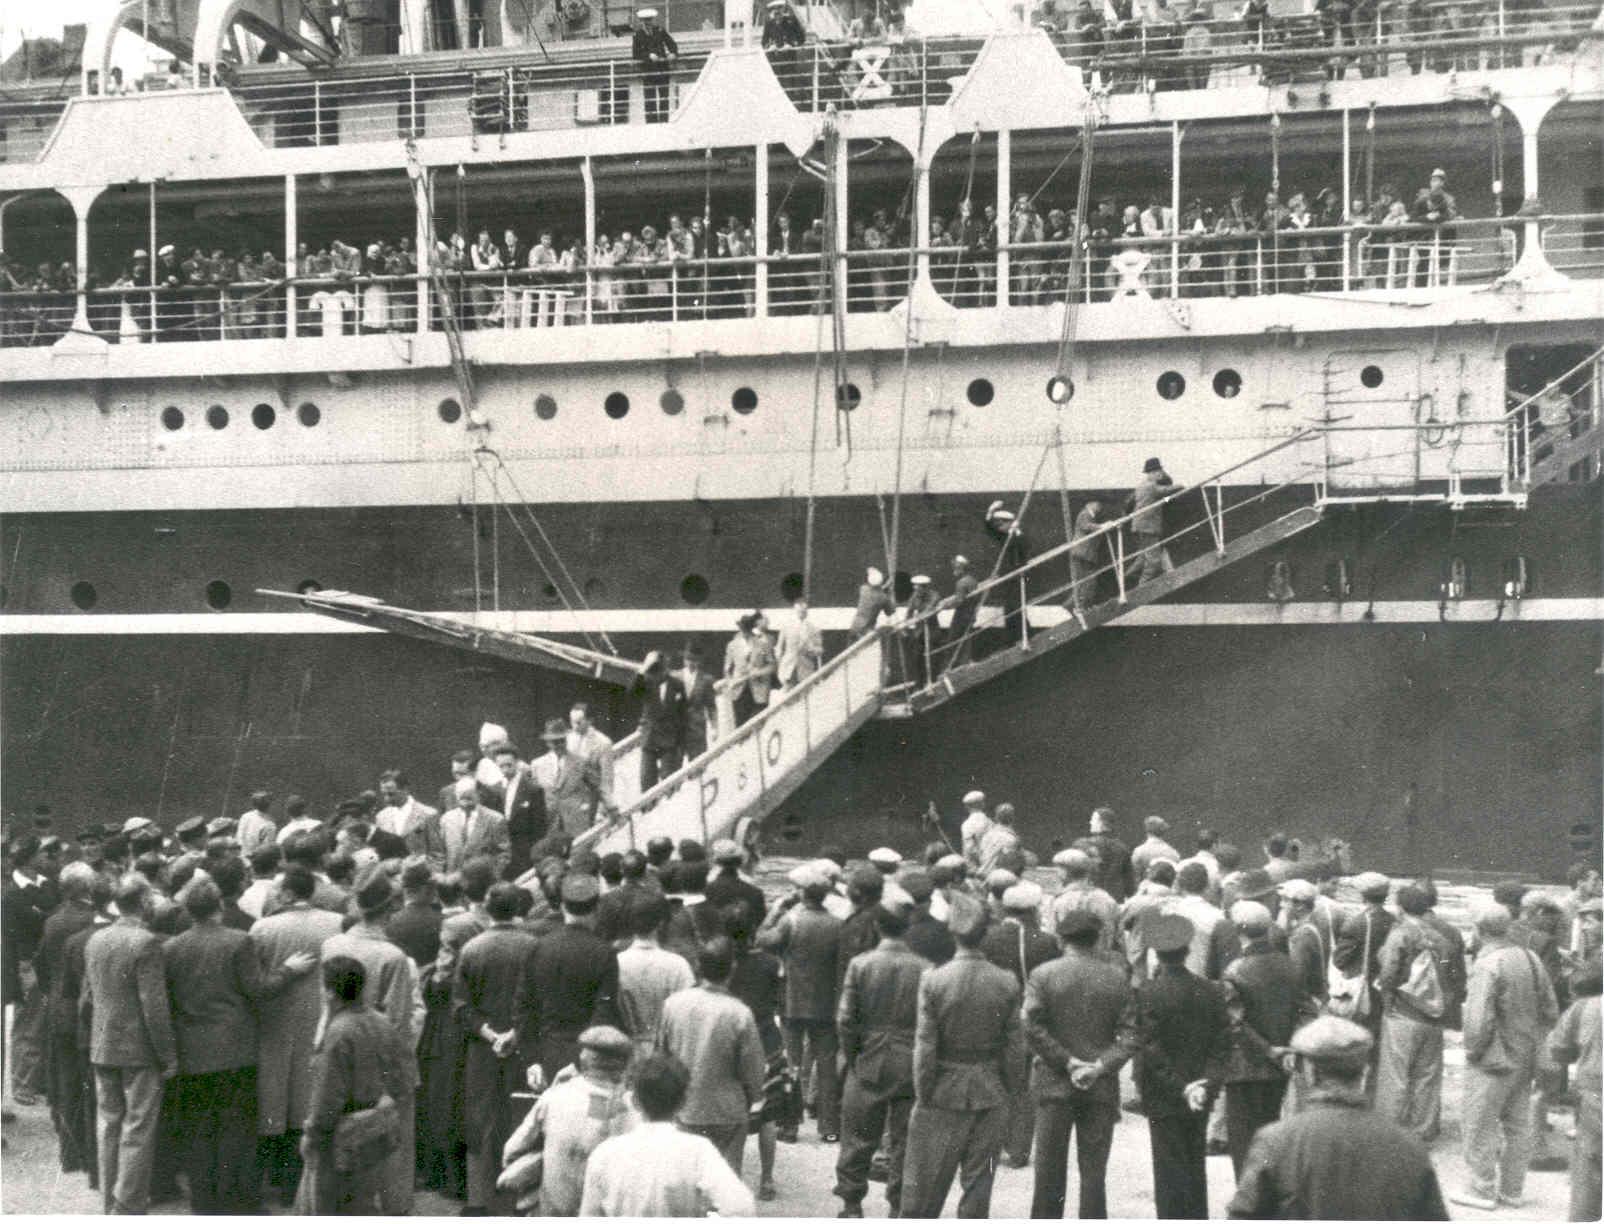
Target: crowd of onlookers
692	267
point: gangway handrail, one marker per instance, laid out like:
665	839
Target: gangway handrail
746	731
1518	418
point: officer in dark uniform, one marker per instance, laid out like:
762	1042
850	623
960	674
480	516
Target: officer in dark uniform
875	1020
1184	1040
655	51
967	1048
570	982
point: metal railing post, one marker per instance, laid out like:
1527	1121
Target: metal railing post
1119	562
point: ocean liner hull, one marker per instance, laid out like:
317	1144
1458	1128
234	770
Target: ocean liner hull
1429	732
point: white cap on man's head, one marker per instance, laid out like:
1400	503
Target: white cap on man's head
975	798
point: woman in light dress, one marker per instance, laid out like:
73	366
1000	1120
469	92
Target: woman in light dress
601	259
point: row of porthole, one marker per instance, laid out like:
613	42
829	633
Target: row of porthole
263	416
219	594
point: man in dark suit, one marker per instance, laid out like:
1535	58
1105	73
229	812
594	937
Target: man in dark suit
1183	1043
965	1056
523	803
67	1113
131	1046
728	887
415	927
215	983
701	702
570	982
1080	1024
662	721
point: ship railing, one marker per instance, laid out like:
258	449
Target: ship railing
1573	243
1183	51
487	103
1566	407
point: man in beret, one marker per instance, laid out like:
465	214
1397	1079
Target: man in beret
1265	1002
966	1053
569	1121
1185	1040
1016	942
191	835
1358	950
570	981
1335	1159
876	1017
1413	985
482	998
391	988
1079	1021
1508	1012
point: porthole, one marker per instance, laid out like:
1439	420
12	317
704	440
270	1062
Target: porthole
616	405
1371	376
217	416
693	589
84	596
744	400
545	407
981	392
263	416
848	397
1171	385
791	587
219	594
548	591
307	586
1060	390
309	414
450	411
172	417
671	402
1227	384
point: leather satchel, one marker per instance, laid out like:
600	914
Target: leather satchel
365	1137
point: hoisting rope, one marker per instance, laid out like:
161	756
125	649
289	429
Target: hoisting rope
826	174
911	270
1060	387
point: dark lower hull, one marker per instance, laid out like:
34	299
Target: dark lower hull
1470	741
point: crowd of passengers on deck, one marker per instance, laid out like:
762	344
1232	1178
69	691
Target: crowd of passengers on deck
692	269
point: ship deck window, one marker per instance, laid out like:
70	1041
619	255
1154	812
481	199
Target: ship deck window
1227	384
219	594
263	416
981	392
217	416
1371	376
84	596
450	411
545	407
744	400
848	397
616	405
309	414
1060	390
694	590
671	402
1171	385
172	417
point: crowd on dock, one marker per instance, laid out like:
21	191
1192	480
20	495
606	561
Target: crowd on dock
336	1012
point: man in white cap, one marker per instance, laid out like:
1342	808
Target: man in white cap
959	644
918	633
1013	552
1508	1012
1334	1159
885	860
975	824
1265	1003
1080	892
654	51
873	601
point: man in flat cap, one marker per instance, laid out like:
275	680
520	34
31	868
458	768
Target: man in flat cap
1358	951
1335	1159
483	992
1184	1042
1508	1013
1080	1023
865	887
570	981
927	935
569	1121
807	940
729	885
1147	522
876	1017
391	989
1080	893
966	1053
1016	942
1414	989
1265	1002
885	860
